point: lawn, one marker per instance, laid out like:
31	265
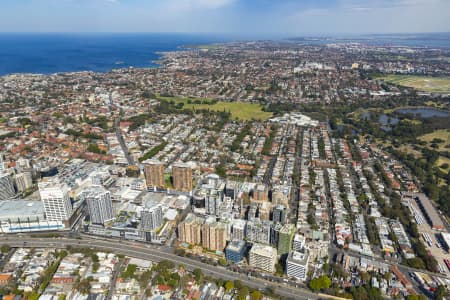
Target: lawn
442	134
239	110
422	83
443	160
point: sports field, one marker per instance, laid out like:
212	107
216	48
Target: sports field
239	110
421	83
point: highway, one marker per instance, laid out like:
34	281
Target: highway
155	253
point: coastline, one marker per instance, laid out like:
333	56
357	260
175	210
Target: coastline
28	55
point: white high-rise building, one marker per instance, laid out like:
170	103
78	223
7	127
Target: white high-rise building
297	265
238	230
6	186
151	218
99	204
263	257
56	200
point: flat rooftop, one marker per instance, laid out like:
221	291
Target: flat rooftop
298	257
236	246
23	209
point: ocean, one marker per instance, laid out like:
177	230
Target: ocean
47	53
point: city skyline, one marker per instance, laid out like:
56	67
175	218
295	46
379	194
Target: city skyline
247	18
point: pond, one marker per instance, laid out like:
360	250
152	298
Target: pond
424	112
385	121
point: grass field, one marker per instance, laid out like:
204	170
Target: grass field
421	83
239	110
443	134
441	160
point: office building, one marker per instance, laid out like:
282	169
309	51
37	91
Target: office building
264	210
258	232
263	257
154	174
190	230
6	186
235	251
99	204
213	200
252	211
275	234
214	235
23	181
297	265
298	243
55	197
152	218
261	193
285	238
182	177
231	189
239	230
279	214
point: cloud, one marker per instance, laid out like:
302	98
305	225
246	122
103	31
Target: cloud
198	4
375	16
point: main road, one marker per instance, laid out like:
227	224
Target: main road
155	253
119	132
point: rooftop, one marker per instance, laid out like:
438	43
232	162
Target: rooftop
298	257
11	209
236	246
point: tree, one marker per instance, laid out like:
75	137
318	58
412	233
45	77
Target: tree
279	269
322	282
243	293
238	284
84	286
184	281
223	262
165	265
198	275
5	248
95	267
440	292
129	272
365	276
416	262
94	258
229	285
256	295
145	278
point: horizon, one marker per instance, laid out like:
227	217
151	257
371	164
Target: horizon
240	37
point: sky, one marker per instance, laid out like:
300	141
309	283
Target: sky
239	17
